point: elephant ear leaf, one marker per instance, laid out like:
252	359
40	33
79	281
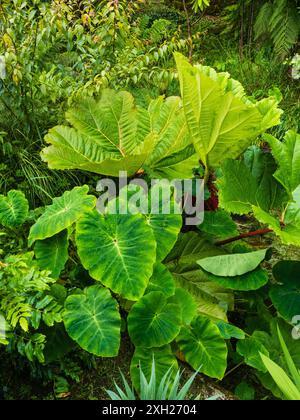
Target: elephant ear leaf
62	213
233	264
52	253
92	320
13	209
222	121
154	321
119	250
107	136
203	347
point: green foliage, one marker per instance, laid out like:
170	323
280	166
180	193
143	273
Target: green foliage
143	358
291	390
113	134
62	213
245	392
118	250
218	224
52	253
153	321
200	5
233	265
211	299
26	300
92	319
287	156
156	387
269	344
203	347
13	209
211	103
161	281
279	20
140	273
285	294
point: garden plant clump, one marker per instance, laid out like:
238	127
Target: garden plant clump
149	200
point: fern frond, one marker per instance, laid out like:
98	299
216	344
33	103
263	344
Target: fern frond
263	19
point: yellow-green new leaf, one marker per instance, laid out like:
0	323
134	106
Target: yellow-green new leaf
221	120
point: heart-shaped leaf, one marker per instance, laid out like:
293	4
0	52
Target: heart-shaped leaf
203	347
13	209
153	321
62	213
92	319
119	250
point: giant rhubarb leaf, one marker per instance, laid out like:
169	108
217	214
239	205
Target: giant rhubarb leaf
222	121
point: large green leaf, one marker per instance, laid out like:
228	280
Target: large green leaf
92	319
203	347
285	295
161	281
218	224
166	228
269	192
272	348
222	122
52	253
229	331
244	184
287	387
212	300
107	136
153	321
287	155
143	358
13	209
112	135
162	213
232	265
253	280
187	303
62	213
289	230
118	250
173	155
251	347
